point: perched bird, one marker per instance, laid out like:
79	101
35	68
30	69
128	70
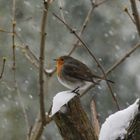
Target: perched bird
74	74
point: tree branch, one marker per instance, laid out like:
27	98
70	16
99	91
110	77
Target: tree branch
37	129
14	66
41	62
94	115
74	124
34	60
129	52
3	66
136	15
133	132
115	65
13	40
86	21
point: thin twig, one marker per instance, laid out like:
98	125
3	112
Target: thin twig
23	110
101	2
93	56
14	66
5	31
41	62
95	121
84	25
3	66
113	67
13	40
128	13
129	52
32	58
61	9
82	29
135	14
38	128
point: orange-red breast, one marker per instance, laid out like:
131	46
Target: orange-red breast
73	74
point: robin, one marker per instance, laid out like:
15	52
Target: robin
74	74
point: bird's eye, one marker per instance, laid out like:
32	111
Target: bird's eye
61	59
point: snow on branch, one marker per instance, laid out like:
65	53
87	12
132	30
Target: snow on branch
61	99
116	125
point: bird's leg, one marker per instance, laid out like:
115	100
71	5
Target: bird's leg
76	90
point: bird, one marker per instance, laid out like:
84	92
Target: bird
74	74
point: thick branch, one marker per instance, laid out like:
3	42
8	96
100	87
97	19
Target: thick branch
133	133
74	124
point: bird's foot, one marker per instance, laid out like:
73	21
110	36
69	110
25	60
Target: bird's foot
76	90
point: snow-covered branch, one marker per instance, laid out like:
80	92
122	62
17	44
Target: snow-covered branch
119	125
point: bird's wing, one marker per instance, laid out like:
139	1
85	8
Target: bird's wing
79	71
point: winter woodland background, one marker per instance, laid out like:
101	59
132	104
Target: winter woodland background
110	33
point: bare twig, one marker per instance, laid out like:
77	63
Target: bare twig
100	3
3	66
32	58
113	67
61	9
23	110
129	52
136	15
5	31
93	56
14	67
95	121
84	25
128	13
41	62
38	128
13	40
82	29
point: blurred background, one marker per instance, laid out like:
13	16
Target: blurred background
109	34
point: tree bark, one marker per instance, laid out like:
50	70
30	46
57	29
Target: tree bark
74	124
134	131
